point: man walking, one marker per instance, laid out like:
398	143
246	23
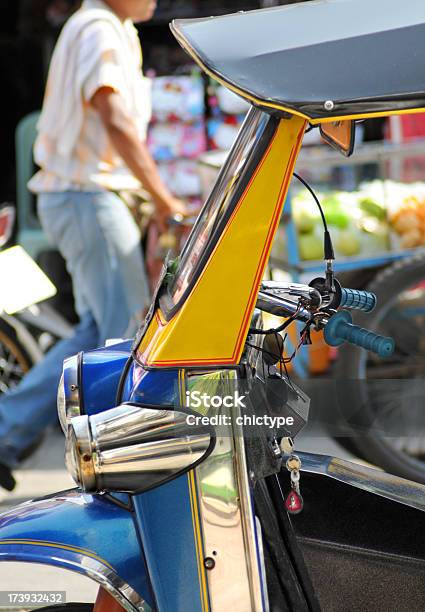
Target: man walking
90	147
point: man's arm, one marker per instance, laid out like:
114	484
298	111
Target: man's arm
134	152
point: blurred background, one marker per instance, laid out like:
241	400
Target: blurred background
374	203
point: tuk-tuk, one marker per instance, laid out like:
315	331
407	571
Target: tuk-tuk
190	495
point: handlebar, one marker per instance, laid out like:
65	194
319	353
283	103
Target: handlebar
286	299
357	300
281	306
340	329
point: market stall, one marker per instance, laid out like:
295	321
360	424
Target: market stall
374	204
376	221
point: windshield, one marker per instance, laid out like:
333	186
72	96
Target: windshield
219	204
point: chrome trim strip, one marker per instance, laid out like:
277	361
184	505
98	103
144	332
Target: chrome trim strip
129	599
247	515
263	577
367	478
225	510
222	530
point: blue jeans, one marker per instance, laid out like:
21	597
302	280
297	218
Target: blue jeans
100	243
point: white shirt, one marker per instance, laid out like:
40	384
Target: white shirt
95	49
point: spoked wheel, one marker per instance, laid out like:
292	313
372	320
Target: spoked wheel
15	361
382	401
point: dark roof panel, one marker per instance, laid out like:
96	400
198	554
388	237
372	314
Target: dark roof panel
364	56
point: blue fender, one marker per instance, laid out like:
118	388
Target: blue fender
89	534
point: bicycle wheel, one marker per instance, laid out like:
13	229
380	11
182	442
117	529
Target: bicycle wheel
15	360
381	401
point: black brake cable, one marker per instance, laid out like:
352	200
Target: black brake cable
275	356
328	249
328	252
263	350
274	330
123	378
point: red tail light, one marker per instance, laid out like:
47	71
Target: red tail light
7	219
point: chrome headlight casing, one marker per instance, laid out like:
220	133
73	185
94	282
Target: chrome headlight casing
132	448
60	402
68	398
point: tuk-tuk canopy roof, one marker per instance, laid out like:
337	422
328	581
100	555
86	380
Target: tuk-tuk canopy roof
324	59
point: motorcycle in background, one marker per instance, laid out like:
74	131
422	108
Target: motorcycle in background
28	325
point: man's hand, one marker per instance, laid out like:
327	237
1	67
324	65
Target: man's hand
122	131
172	208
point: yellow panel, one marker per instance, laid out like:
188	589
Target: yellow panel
211	326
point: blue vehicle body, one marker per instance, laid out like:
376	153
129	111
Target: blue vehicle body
143	549
100	374
83	533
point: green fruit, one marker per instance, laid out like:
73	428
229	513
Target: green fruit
331	200
372	208
335	211
305	222
310	246
337	217
348	243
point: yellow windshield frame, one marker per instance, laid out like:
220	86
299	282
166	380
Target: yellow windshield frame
211	326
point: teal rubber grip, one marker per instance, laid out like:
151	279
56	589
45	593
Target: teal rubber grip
340	329
357	299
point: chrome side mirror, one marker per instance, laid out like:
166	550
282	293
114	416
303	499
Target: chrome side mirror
132	448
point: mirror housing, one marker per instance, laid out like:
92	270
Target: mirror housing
340	135
134	448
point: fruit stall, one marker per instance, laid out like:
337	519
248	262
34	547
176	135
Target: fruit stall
374	203
377	218
373	221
